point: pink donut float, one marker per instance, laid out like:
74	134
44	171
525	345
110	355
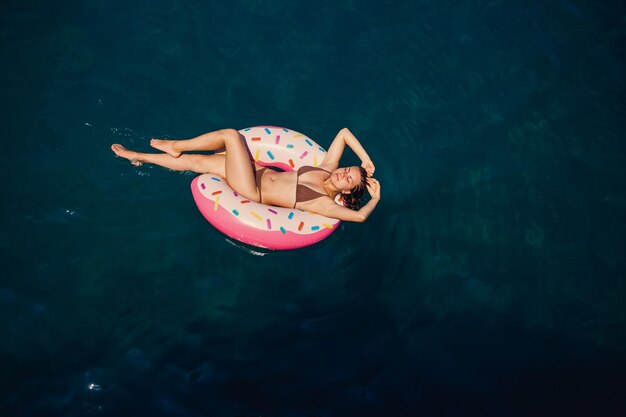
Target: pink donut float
261	225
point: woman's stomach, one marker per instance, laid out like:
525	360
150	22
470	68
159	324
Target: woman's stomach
278	188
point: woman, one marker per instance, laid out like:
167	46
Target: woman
309	188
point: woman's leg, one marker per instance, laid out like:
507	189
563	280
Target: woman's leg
201	164
238	166
208	142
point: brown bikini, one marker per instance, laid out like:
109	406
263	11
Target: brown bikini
258	175
303	193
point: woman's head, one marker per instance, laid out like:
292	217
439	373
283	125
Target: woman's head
352	183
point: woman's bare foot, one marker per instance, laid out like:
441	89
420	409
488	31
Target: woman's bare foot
132	156
166	146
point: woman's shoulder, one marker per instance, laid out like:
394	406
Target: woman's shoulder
328	166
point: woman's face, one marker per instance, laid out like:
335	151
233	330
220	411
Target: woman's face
345	179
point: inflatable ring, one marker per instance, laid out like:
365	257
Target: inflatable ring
259	224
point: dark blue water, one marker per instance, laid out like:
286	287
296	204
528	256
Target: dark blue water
490	280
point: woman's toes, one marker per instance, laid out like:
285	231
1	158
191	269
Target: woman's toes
125	153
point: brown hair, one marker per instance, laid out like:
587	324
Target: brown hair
354	199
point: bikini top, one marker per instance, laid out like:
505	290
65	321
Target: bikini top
304	193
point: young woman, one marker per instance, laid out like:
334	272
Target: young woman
309	188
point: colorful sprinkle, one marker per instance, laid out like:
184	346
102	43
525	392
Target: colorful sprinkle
322	149
269	224
315	161
328	226
245	130
235	212
277	139
290	215
256	216
272	211
282	229
216	179
300	226
298	135
256	155
286	130
305	153
235	194
314	228
216	205
292	164
268	131
308	142
216	192
289	146
244	201
202	186
270	154
255	139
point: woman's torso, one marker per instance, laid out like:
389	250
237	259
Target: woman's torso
280	188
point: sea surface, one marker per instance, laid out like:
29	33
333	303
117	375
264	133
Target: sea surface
488	281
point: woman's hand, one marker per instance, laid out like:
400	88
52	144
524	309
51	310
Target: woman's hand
369	167
373	187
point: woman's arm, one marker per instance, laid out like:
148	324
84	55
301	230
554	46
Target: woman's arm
345	137
330	209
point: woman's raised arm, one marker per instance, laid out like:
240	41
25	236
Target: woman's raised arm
345	137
